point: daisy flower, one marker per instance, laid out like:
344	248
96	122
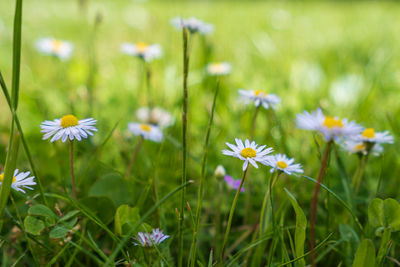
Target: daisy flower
68	127
193	25
361	148
259	97
248	152
232	183
284	164
370	136
155	238
332	128
20	180
147	131
156	116
145	51
59	48
219	68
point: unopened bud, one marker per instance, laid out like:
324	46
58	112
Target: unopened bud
188	206
220	172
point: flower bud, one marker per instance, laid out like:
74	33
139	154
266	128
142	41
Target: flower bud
220	172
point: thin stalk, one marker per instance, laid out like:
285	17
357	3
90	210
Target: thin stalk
253	122
71	165
354	180
147	73
272	180
133	158
313	212
202	177
228	227
184	142
218	218
361	173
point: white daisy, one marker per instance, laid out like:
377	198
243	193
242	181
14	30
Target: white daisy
59	48
145	51
369	135
68	127
248	152
147	131
156	116
193	25
360	147
282	163
219	68
259	97
150	239
20	180
332	128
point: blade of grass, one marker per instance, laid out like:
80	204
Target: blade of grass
16	54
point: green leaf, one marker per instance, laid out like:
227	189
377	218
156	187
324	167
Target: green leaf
42	210
301	226
69	215
375	213
125	214
365	255
58	232
384	213
102	207
33	225
114	187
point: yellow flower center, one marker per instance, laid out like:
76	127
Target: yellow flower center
248	152
368	133
145	127
141	47
281	164
331	122
69	121
56	45
217	67
258	92
360	147
2	178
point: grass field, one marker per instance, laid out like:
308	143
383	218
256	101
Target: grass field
340	57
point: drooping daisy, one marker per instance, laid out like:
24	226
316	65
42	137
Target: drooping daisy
369	135
156	116
68	127
59	48
147	131
219	68
332	128
232	183
145	51
193	25
281	162
248	152
259	97
20	180
361	148
155	238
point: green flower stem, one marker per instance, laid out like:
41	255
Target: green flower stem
202	177
228	227
133	158
184	142
314	202
217	237
268	193
71	165
361	173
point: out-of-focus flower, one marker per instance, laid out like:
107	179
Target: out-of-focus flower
68	127
220	171
259	97
281	162
306	75
232	183
219	68
142	50
20	180
156	116
369	135
345	90
361	148
193	24
155	238
59	48
147	131
248	152
332	128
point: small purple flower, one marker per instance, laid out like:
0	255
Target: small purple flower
150	239
232	183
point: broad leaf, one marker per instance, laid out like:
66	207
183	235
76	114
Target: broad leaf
33	225
365	255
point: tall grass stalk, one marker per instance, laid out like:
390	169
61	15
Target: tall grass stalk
314	202
184	142
71	167
268	194
203	176
228	227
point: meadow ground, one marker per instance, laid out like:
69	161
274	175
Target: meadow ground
340	57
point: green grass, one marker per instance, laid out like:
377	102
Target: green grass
295	50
